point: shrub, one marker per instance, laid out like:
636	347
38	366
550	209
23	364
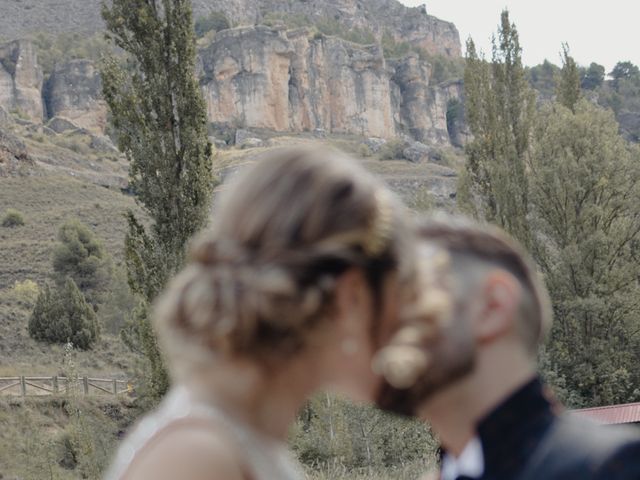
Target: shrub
62	315
80	255
55	49
392	150
215	22
12	218
331	26
393	48
444	68
364	151
422	200
333	431
26	291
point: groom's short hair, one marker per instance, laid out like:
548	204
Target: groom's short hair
470	243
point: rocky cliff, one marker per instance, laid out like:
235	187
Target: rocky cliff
74	91
22	17
413	25
278	78
21	80
296	80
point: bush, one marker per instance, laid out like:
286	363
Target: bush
393	48
56	49
444	68
26	292
332	27
80	255
12	218
364	151
62	315
392	150
215	22
332	431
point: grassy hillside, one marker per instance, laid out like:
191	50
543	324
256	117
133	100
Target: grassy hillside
45	202
47	438
65	179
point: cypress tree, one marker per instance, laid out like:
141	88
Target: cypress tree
161	122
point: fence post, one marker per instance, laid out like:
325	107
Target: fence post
85	385
23	386
56	388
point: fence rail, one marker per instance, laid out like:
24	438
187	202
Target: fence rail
37	386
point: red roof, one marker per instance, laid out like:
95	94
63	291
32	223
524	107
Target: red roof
613	414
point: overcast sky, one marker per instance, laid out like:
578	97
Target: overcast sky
601	31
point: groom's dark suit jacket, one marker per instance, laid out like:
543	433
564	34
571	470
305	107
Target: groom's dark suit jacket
527	438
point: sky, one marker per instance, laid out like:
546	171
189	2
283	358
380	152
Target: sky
604	32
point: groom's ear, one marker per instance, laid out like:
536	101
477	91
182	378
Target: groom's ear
498	306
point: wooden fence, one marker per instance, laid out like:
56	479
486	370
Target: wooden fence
55	385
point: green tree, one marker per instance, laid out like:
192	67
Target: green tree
568	92
543	78
332	430
624	71
62	315
80	255
500	107
585	192
593	77
160	117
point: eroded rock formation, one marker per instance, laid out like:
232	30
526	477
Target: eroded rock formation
297	80
21	80
279	78
413	25
74	91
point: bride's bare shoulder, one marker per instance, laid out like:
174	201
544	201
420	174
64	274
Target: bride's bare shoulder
194	451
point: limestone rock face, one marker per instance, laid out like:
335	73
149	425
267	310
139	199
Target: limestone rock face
423	107
262	77
21	80
339	87
74	91
244	77
414	25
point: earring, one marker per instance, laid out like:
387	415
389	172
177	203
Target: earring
349	346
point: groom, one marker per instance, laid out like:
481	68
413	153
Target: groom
481	393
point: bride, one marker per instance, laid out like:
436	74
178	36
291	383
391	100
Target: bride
292	291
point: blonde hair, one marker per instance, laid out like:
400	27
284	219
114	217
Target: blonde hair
262	278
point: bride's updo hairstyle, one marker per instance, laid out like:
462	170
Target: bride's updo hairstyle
262	278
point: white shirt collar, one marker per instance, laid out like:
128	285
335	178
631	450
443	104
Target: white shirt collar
470	463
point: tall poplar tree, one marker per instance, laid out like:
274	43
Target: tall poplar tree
500	108
161	122
568	91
